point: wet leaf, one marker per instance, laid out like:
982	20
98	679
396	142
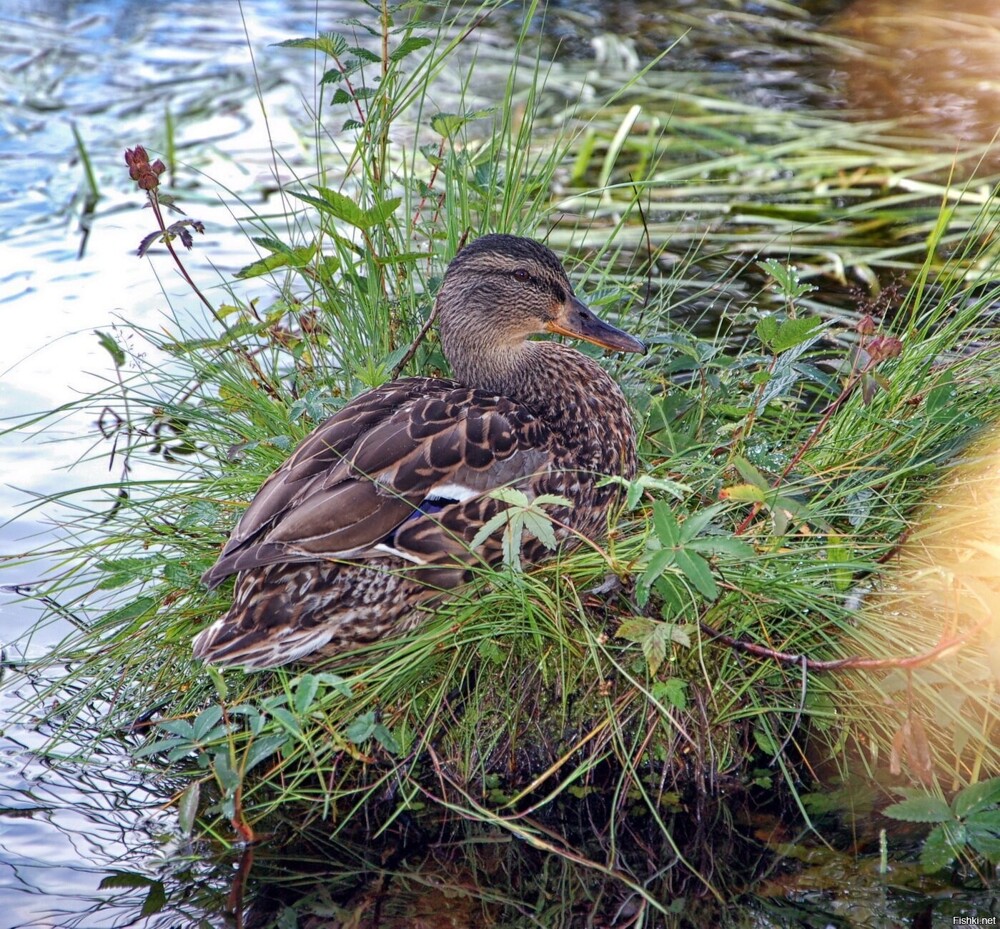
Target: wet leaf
125	879
977	797
926	809
941	846
187	807
155	900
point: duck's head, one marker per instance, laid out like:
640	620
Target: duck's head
498	291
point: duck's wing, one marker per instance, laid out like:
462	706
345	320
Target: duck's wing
372	480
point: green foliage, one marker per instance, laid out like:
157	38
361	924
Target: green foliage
968	826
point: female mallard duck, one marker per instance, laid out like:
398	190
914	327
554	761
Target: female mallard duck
373	516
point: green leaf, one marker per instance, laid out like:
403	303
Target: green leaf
381	211
767	329
293	258
125	880
409	45
329	43
205	722
658	562
111	347
940	849
926	809
286	720
180	727
697	571
672	691
794	332
187	807
983	833
305	692
386	739
665	524
155	900
976	797
263	748
362	728
540	526
329	679
636	629
696	523
335	204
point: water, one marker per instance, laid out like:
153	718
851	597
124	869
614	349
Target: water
113	70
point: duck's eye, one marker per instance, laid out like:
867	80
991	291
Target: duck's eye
522	276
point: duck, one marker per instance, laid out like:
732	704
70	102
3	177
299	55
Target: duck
376	515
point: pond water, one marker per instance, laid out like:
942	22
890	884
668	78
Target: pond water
101	76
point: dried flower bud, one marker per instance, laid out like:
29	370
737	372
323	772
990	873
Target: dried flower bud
884	346
866	325
146	175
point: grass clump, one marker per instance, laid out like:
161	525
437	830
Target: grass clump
587	706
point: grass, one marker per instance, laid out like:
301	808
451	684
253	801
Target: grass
787	448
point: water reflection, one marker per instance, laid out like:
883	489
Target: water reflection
113	70
935	63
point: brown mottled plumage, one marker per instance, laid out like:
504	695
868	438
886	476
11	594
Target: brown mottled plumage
372	517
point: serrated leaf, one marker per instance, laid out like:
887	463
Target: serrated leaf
136	608
654	649
635	629
125	880
658	562
697	571
409	45
696	523
976	797
329	679
767	329
794	332
665	524
672	691
983	834
180	727
364	54
334	203
381	211
290	258
155	900
540	526
940	849
447	124
187	807
926	809
329	43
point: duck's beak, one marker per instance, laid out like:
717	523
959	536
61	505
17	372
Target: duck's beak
577	320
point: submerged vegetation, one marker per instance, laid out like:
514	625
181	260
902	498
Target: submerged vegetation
744	630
